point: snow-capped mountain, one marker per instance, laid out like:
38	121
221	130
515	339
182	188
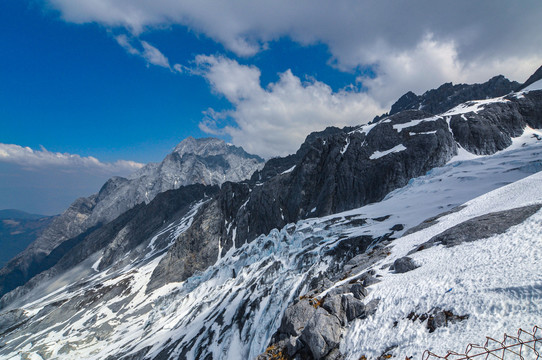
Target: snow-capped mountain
194	161
448	95
379	240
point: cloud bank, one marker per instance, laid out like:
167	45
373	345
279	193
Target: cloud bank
46	182
43	159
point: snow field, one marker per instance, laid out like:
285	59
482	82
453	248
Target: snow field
496	281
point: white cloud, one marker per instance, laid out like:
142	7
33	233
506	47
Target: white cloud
276	120
148	52
351	28
40	159
123	41
154	56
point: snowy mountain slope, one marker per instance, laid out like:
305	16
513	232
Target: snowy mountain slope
495	281
232	309
342	169
194	161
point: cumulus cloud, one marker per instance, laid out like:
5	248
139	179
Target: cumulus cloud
40	159
276	120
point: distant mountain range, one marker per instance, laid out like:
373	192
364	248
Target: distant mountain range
18	215
373	241
18	229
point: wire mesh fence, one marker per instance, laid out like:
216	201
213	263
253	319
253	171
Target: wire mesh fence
527	345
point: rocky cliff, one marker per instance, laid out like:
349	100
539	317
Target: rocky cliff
338	170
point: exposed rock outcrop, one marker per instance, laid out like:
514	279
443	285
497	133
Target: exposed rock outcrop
403	265
481	227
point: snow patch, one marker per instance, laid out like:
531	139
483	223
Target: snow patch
379	154
96	264
288	171
400	127
346	145
473	106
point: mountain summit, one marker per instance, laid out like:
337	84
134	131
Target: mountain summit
205	161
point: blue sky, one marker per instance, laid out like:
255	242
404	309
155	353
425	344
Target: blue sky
98	87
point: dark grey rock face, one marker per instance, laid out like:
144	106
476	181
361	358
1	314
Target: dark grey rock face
403	265
529	107
489	130
481	227
336	172
194	250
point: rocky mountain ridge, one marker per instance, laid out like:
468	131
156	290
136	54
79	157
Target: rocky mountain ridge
205	161
332	265
346	169
448	95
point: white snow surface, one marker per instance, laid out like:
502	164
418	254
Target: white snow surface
473	106
379	154
409	124
496	281
288	171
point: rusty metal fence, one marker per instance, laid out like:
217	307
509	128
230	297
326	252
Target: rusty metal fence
525	346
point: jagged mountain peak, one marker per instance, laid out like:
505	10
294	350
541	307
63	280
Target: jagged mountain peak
210	147
202	146
206	161
448	95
